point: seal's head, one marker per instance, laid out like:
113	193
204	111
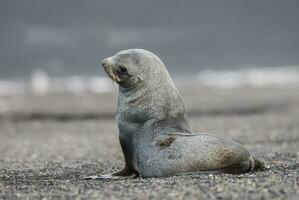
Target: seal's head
130	67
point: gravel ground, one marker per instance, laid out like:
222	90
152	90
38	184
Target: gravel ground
49	142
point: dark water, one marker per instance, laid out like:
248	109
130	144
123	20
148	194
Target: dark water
72	37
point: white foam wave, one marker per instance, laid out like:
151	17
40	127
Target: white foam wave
256	77
41	83
8	87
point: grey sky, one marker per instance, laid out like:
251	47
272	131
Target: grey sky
72	36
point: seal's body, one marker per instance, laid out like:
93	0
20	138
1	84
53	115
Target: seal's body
154	131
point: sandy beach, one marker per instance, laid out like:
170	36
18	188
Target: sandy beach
49	142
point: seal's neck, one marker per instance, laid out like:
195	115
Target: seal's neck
155	105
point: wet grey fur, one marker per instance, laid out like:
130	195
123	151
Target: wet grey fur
154	131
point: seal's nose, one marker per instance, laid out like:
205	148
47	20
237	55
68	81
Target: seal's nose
104	63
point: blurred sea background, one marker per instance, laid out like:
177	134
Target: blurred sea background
57	46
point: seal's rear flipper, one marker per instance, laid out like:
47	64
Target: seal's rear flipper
256	164
251	164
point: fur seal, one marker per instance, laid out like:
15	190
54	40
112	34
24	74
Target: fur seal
154	132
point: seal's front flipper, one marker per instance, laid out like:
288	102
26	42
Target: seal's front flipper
109	177
123	174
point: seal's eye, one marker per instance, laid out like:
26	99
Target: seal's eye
122	70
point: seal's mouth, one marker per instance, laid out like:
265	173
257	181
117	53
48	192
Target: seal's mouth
109	70
111	74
